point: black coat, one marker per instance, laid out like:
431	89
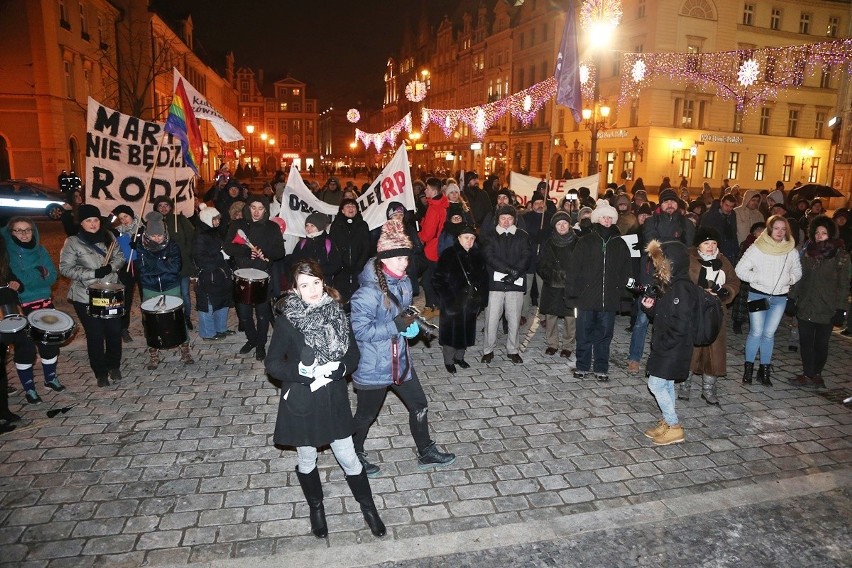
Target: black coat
215	284
461	301
554	263
508	253
671	338
604	261
308	418
321	249
263	234
351	237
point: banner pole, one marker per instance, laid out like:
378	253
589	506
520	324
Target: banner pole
138	220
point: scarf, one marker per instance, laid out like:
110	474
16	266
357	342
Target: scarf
710	271
826	249
562	241
324	325
92	238
30	245
767	245
511	230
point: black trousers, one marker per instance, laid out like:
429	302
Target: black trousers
103	340
255	333
431	296
370	403
813	346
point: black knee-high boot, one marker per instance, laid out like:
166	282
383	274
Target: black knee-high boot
360	486
312	488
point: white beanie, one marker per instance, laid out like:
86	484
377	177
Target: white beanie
604	209
207	214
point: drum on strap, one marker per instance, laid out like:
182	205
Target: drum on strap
163	322
51	327
10	325
251	286
106	300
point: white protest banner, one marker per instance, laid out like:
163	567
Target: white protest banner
524	186
392	184
121	151
204	111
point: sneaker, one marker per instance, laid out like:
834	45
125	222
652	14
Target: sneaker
433	456
115	375
371	469
216	337
32	396
656	430
671	435
125	336
602	377
54	385
246	349
633	366
580	374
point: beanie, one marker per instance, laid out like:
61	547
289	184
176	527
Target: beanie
207	214
154	224
87	211
394	208
668	194
705	233
468	176
536	196
123	209
466	229
318	220
506	210
643	209
507	193
560	216
584	212
604	209
393	241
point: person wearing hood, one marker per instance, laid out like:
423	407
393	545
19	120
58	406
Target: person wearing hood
318	246
29	275
258	245
748	214
181	231
820	298
605	260
382	328
430	233
158	264
214	292
723	218
627	223
351	236
232	193
672	338
771	266
713	271
129	234
554	263
332	194
83	261
452	227
584	222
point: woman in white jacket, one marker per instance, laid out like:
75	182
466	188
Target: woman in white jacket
771	266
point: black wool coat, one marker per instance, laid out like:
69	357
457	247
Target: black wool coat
321	249
461	301
554	264
604	261
215	284
351	237
672	335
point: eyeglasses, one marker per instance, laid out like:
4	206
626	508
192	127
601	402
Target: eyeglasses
22	231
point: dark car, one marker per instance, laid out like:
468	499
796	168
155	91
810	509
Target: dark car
20	197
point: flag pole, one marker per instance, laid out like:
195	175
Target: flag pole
138	220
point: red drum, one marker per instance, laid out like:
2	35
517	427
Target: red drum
251	286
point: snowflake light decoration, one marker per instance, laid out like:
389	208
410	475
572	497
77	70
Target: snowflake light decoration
748	73
415	91
585	72
638	71
352	115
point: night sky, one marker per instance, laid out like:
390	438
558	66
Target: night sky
338	47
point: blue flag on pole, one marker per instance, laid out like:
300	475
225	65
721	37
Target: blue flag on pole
568	67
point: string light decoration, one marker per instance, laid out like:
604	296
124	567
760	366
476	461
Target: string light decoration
746	76
352	115
588	77
415	91
389	136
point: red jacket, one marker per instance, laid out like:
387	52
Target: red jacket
433	224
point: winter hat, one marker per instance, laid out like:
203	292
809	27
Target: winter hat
393	241
87	211
536	196
777	196
123	209
318	220
584	212
643	209
622	198
207	214
822	221
541	186
506	210
233	182
559	216
604	209
641	194
507	193
466	229
451	187
468	176
703	234
395	208
668	194
455	209
164	199
154	224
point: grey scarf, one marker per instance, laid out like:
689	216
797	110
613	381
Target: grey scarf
324	325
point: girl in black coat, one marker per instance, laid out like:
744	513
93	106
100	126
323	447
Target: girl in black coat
461	281
311	352
351	236
214	293
318	246
555	260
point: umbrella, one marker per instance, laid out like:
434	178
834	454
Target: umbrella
814	190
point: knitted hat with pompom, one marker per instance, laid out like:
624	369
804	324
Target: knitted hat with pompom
393	241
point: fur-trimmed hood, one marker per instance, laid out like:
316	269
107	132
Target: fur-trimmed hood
670	260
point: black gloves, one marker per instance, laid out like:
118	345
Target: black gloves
511	277
308	357
103	271
723	293
403	320
839	318
636	246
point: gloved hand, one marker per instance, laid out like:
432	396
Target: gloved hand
412	331
403	321
839	318
307	356
509	278
103	271
636	246
723	293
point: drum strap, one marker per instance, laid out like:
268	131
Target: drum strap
397	375
93	247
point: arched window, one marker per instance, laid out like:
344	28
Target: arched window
698	9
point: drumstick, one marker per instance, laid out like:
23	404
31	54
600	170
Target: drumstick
109	252
244	237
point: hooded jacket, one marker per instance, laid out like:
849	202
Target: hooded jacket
158	266
31	265
747	217
181	232
263	234
352	239
433	224
824	286
603	261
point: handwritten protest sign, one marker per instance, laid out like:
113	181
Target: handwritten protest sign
524	186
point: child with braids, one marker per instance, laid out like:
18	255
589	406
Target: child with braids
382	331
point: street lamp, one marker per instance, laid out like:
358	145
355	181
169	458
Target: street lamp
250	130
352	146
263	138
594	119
677	145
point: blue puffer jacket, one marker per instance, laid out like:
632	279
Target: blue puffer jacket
159	269
375	332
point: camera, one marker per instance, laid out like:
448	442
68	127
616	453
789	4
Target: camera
646	290
427	330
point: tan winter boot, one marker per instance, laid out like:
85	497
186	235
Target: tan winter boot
185	356
671	435
153	358
656	430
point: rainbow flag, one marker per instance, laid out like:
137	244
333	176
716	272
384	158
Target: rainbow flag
181	124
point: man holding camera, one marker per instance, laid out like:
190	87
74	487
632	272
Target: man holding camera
507	257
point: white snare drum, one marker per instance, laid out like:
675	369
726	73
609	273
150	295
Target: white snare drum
10	325
51	327
251	286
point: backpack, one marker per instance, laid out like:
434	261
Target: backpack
708	317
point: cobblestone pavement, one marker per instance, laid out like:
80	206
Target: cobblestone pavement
176	466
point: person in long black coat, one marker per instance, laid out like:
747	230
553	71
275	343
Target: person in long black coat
319	246
350	234
312	350
554	262
214	290
461	281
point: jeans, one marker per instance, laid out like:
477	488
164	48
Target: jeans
637	338
664	392
594	336
762	326
343	450
370	402
184	294
813	346
103	340
212	321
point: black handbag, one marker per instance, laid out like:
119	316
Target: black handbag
760	305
